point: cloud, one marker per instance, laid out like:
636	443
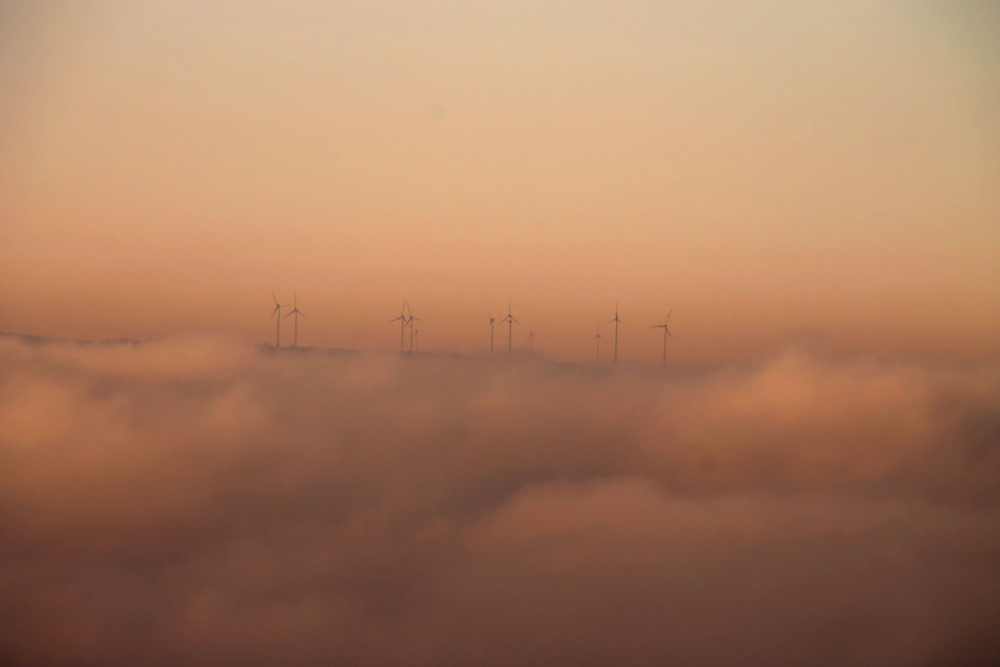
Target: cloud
197	501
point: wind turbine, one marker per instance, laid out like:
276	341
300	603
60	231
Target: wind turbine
492	320
617	322
510	327
296	313
599	339
531	343
409	321
666	332
416	340
402	323
277	309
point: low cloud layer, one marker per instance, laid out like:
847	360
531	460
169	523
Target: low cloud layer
196	501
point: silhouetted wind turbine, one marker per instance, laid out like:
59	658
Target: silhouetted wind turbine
277	309
416	340
510	328
402	323
296	313
666	332
617	322
599	339
492	320
409	321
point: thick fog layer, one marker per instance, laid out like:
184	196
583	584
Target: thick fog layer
196	501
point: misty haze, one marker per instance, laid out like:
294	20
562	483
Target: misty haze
515	334
197	500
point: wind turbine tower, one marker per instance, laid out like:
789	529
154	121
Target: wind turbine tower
492	320
598	339
409	321
403	321
617	322
277	309
510	328
296	313
666	332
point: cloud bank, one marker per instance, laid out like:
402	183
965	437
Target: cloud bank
197	501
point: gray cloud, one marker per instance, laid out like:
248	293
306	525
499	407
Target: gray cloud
196	501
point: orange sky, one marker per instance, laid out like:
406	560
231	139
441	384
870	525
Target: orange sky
771	171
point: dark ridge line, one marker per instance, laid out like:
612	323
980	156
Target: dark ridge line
498	360
32	339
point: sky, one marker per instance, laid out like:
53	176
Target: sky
771	171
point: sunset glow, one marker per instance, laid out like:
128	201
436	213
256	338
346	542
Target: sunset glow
769	170
514	334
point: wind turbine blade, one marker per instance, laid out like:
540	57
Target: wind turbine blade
670	313
515	320
301	313
668	333
288	315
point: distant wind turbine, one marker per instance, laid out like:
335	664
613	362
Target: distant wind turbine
617	322
296	313
598	339
666	332
492	320
510	328
531	343
277	309
416	340
402	323
409	321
